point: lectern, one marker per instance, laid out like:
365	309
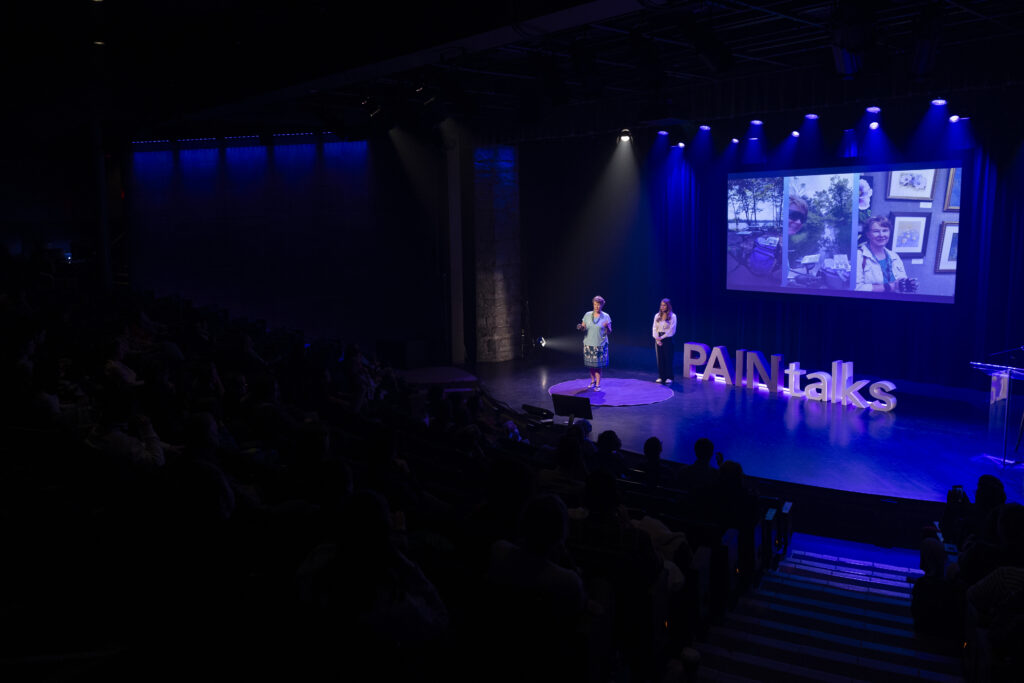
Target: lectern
1001	398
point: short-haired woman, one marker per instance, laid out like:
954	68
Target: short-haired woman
879	269
598	325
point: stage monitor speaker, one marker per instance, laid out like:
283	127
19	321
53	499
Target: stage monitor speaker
572	406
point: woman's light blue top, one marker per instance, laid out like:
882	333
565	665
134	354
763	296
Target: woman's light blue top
597	332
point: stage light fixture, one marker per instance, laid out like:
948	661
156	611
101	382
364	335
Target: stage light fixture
954	118
680	144
939	102
873	110
542	342
811	117
757	122
662	132
795	133
705	127
735	141
625	135
752	139
873	125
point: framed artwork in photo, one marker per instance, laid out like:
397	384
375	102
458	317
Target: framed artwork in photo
912	184
949	242
953	190
910	233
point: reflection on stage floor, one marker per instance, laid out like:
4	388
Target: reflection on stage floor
931	441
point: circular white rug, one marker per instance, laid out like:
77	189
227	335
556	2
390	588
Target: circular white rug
615	392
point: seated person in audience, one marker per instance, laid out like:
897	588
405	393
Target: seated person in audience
536	564
376	595
124	434
275	424
603	531
567	478
508	484
115	372
614	554
982	554
700	475
656	472
535	600
582	429
937	601
962	519
733	504
607	456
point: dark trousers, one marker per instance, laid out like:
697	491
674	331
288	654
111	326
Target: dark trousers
664	353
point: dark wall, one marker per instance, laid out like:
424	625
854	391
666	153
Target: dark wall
586	232
670	243
337	239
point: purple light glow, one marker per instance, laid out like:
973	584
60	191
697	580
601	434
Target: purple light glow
705	127
873	125
735	141
954	118
662	132
939	102
680	145
757	122
873	110
795	133
811	117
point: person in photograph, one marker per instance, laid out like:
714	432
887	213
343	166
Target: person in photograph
798	211
663	331
802	240
598	325
879	269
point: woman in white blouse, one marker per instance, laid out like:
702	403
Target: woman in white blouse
663	331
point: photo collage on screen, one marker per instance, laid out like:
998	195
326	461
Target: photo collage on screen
889	234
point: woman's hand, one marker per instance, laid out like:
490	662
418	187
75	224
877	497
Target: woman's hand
580	326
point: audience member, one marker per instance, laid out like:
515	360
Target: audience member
607	456
963	519
656	473
567	478
700	476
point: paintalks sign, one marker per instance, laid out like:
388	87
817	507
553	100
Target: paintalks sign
751	369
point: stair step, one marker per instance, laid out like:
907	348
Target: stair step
775	610
705	673
819	663
831	567
847	583
823	589
764	669
853	577
914	571
830	618
854	641
833	607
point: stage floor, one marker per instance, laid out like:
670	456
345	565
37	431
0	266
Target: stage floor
932	440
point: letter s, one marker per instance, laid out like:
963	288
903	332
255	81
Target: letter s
886	401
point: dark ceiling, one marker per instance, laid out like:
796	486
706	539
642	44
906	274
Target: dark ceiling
510	70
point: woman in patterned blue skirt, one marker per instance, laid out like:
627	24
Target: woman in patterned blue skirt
597	325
